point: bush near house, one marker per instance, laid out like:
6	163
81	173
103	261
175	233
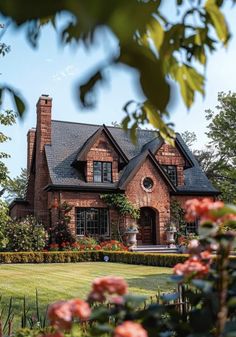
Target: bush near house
25	235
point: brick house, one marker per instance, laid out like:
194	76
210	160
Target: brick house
76	163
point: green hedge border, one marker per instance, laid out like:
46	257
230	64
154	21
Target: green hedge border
147	259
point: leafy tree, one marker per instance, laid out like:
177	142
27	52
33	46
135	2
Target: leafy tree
218	158
16	187
4	219
222	145
189	138
161	50
6	118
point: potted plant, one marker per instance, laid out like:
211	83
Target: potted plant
131	232
170	234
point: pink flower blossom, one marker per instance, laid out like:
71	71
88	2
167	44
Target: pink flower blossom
202	208
61	313
193	267
107	285
130	329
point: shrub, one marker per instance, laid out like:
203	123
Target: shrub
25	235
60	232
4	219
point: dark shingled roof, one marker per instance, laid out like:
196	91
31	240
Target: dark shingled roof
69	138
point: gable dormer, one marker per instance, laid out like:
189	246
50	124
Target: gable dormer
101	158
174	160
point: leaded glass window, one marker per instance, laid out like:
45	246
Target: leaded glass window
171	172
102	172
92	221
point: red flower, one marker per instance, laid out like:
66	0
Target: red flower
107	285
130	329
62	313
193	267
202	208
80	309
59	315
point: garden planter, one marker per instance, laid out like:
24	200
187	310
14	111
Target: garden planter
132	239
170	238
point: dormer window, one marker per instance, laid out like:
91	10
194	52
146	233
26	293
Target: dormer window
171	172
102	172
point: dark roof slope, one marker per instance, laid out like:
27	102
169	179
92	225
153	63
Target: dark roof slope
68	138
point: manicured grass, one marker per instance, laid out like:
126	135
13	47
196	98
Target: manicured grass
65	281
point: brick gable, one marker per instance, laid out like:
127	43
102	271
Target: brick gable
158	199
169	155
102	150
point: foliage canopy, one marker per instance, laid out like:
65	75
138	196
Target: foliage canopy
160	50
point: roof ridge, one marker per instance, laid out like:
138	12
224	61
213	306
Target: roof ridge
99	125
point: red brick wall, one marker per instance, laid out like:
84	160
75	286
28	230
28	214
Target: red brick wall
81	199
102	150
158	198
19	210
43	137
169	155
30	146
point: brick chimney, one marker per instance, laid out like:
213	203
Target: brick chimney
44	107
43	137
30	146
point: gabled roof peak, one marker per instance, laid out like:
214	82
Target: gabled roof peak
82	153
135	164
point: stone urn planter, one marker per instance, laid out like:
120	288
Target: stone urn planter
131	234
170	235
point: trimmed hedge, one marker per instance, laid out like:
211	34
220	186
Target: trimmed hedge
147	259
165	260
49	257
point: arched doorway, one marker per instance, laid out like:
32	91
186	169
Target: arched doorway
147	227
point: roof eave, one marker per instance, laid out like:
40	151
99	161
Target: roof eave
196	193
60	187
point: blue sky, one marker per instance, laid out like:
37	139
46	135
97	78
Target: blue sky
51	69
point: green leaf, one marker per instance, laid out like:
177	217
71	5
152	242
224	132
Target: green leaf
156	33
194	79
218	20
155	119
125	123
186	91
150	69
86	88
20	106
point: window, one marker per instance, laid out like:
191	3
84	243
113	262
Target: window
171	172
148	183
102	172
192	227
92	221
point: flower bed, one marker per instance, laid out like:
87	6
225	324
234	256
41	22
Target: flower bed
88	244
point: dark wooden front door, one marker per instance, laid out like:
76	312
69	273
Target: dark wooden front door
147	226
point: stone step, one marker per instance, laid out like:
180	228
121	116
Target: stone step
156	249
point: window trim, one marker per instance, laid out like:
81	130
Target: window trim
102	170
85	209
165	168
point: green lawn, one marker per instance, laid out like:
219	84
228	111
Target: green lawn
64	281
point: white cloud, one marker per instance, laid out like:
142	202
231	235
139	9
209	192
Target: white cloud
68	71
